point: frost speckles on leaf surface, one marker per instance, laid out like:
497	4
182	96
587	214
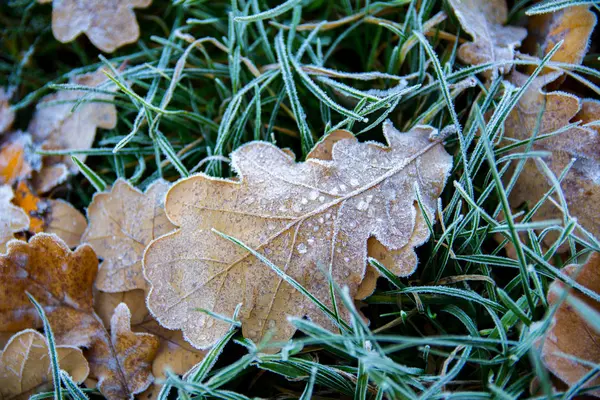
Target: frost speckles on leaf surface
122	223
109	24
492	41
25	365
196	268
12	218
57	127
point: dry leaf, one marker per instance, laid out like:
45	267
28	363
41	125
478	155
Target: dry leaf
17	160
25	367
569	333
122	223
49	177
132	353
174	353
7	114
51	216
109	24
56	127
581	185
12	218
492	41
302	216
61	280
574	25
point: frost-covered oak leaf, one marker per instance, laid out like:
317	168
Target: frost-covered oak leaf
123	221
304	217
25	367
492	41
109	24
569	332
61	280
12	218
56	126
581	185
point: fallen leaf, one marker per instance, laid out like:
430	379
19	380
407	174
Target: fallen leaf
61	280
302	216
581	185
17	159
7	114
25	367
49	177
569	333
51	216
109	24
57	127
132	353
174	353
573	25
492	41
12	218
122	223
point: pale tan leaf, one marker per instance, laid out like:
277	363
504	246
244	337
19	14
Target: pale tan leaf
581	185
7	114
122	222
132	353
109	24
49	177
61	280
573	25
174	353
25	367
12	218
569	333
302	216
56	127
492	41
65	221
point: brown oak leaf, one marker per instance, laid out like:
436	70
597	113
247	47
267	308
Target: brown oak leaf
57	127
25	367
109	24
492	41
581	185
573	25
61	280
174	353
302	216
122	223
569	333
12	218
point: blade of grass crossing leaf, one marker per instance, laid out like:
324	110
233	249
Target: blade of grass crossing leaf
74	390
91	176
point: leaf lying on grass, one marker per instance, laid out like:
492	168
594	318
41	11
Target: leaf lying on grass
581	185
570	333
122	223
25	365
61	281
7	114
108	24
12	218
492	41
302	216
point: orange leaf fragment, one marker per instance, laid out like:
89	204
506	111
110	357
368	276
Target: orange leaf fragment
301	216
25	367
17	159
570	333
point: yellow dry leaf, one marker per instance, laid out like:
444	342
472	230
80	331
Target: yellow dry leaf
12	218
128	352
17	160
56	127
174	353
51	216
25	367
492	41
122	223
581	185
7	114
109	24
574	25
301	216
61	280
569	333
